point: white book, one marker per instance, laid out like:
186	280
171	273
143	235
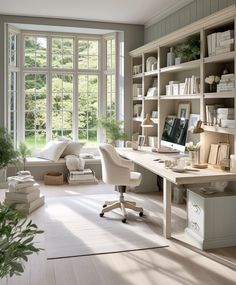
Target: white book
227	35
22	197
189	85
209	45
218	39
185	86
226	42
30	207
192	84
81	177
88	181
24	190
213	43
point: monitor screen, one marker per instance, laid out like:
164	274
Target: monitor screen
175	133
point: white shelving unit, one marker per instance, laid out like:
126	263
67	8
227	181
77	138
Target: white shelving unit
202	67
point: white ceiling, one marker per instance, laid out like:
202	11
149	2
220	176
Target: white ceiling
143	12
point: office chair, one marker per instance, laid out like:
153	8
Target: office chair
118	171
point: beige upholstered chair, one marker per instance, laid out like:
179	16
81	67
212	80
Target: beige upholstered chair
118	171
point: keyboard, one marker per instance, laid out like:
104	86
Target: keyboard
165	149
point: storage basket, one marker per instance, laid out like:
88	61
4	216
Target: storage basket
53	178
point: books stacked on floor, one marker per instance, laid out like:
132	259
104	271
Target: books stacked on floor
221	42
24	192
82	177
227	83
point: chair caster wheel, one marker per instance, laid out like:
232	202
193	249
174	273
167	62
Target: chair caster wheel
101	215
104	206
123	221
141	214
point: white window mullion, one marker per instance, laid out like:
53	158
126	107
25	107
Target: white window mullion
75	113
49	91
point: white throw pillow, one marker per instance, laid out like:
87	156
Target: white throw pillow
72	148
53	150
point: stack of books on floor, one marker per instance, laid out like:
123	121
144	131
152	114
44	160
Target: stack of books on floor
24	193
85	176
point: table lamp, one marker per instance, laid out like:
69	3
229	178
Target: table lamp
147	123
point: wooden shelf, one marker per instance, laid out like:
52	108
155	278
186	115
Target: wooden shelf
137	120
182	66
224	57
151	73
137	98
140	75
151	98
214	95
180	97
219	130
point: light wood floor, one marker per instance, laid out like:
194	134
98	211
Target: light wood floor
180	263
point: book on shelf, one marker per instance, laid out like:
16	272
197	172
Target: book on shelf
220	42
137	90
30	206
23	197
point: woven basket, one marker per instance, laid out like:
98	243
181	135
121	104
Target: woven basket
53	178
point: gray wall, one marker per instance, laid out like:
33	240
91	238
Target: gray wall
133	38
190	13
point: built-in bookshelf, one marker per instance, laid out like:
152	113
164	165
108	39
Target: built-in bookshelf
168	81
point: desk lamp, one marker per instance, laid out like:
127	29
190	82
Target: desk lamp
198	129
147	123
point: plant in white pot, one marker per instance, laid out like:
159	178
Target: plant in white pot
8	154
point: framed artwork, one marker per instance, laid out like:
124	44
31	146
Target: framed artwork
193	119
141	140
184	110
154	114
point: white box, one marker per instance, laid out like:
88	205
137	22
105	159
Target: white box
169	90
152	141
175	89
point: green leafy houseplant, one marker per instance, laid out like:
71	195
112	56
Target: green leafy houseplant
7	152
113	129
16	240
23	151
189	49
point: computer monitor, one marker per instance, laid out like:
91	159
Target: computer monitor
175	133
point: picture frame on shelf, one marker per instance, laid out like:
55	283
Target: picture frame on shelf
154	114
193	119
141	140
184	110
152	92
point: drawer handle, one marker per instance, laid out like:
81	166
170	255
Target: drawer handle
195	226
196	208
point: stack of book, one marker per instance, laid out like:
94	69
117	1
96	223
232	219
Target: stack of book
82	177
24	193
220	42
227	83
189	86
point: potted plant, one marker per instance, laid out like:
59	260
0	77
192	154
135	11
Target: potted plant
16	241
188	50
7	153
23	151
112	129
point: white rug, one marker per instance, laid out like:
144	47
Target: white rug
74	228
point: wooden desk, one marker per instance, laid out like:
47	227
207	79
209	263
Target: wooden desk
146	158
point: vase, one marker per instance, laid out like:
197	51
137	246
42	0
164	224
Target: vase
213	87
194	157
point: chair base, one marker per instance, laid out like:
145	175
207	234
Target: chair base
123	205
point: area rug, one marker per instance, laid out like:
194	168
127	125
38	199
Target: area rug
74	228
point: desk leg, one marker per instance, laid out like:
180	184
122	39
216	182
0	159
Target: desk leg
167	208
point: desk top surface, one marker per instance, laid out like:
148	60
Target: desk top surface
145	158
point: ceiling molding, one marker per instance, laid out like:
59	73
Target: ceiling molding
166	12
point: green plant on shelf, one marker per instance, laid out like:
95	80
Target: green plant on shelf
189	49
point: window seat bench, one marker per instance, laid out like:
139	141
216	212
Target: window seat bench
39	166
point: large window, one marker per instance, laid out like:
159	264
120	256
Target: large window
66	82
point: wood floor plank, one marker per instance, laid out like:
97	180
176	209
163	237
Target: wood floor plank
180	263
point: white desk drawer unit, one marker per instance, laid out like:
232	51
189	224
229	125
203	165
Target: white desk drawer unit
211	218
